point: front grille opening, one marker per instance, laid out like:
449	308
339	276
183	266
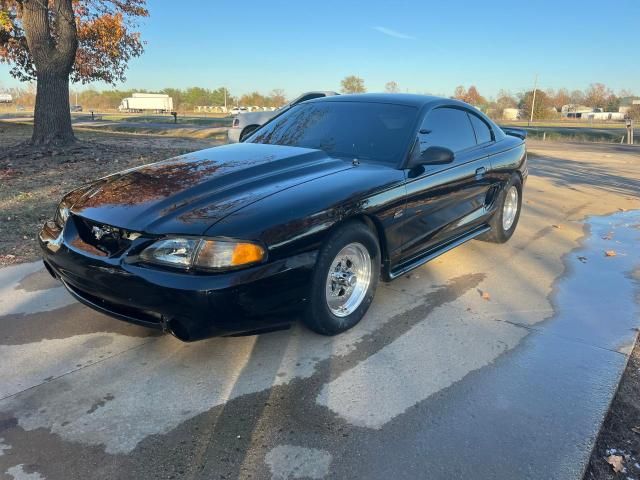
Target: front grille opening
109	240
118	309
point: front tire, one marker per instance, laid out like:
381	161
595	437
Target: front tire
505	220
344	280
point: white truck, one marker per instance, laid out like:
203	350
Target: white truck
143	102
5	98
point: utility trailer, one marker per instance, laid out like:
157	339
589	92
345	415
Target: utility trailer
147	102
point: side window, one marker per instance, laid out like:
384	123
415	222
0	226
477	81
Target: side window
483	134
447	127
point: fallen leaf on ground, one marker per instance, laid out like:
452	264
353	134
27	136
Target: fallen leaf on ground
622	209
610	253
616	462
486	296
556	226
7	173
636	429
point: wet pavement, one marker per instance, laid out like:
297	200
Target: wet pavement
436	382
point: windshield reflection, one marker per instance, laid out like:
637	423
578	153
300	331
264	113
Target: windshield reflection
367	131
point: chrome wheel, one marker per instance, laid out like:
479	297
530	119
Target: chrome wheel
510	208
348	279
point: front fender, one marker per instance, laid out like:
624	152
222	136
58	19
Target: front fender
299	219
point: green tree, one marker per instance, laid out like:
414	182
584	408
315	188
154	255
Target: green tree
176	95
612	103
542	108
352	84
194	96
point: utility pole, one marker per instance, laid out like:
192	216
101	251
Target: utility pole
533	101
225	99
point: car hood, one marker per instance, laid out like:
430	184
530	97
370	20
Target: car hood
188	194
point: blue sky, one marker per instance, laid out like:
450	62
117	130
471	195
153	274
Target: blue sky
423	46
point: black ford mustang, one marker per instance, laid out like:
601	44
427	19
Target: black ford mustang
304	216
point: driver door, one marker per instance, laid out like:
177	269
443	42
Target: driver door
445	201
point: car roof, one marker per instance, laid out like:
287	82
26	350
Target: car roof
408	99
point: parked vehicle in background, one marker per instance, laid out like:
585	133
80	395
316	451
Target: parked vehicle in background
237	110
6	98
246	123
305	216
145	102
76	108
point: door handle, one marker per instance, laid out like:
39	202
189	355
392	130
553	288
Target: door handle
480	172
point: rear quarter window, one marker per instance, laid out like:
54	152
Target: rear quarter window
483	133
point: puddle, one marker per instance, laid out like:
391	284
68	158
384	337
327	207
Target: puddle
596	300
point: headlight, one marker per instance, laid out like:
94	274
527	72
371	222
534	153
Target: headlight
62	214
177	252
203	254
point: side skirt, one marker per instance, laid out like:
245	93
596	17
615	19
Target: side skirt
430	254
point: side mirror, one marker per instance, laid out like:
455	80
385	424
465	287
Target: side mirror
436	156
432	156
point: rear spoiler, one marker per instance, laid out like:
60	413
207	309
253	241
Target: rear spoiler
515	132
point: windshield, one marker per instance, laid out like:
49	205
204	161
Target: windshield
376	132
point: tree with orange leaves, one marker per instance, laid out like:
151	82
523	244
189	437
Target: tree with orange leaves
53	41
471	96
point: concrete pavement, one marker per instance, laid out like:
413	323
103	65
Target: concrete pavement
436	382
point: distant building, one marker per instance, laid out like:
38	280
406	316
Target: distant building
511	113
589	113
572	110
604	116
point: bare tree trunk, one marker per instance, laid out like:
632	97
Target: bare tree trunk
52	117
53	57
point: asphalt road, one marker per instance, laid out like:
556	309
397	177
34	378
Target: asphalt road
436	382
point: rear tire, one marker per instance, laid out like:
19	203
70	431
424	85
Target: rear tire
505	220
344	280
248	131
